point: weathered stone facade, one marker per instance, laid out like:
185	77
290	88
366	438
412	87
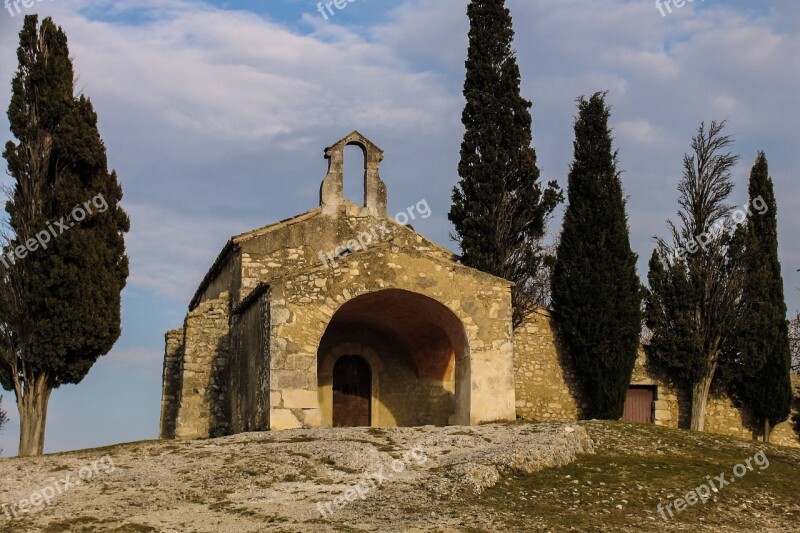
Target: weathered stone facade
282	304
283	307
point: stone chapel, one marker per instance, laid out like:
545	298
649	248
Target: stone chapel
392	332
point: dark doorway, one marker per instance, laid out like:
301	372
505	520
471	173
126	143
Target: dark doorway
639	405
352	392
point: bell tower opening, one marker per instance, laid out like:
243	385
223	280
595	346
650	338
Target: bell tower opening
355	167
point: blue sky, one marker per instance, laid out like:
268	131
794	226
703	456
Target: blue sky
215	115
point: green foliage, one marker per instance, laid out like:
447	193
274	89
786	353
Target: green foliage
499	208
763	338
676	343
66	298
596	292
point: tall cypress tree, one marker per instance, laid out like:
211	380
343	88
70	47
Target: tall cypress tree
64	263
763	338
499	208
596	292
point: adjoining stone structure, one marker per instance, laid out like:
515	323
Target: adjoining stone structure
546	389
268	324
343	316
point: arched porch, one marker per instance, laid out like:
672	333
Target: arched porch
413	345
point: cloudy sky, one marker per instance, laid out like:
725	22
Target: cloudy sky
216	114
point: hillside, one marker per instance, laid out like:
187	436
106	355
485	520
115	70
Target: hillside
592	476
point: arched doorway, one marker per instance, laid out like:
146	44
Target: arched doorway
415	349
352	392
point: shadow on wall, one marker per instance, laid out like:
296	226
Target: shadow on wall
574	385
748	421
216	392
247	375
718	393
681	390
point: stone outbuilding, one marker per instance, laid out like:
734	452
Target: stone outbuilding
340	316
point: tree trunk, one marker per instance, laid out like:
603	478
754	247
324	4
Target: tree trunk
33	416
700	390
767	430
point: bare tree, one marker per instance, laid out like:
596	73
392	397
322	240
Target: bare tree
3	417
703	267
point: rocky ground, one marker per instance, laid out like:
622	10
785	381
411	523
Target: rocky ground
590	476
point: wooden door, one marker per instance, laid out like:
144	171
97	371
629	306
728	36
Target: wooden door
639	405
352	392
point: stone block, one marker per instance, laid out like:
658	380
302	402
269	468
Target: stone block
275	399
312	418
283	419
299	399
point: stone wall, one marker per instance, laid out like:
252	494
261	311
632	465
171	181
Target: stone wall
172	377
546	389
225	276
203	406
788	433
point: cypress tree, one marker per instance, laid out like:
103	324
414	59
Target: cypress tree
596	292
59	297
763	339
499	208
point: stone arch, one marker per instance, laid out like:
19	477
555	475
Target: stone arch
414	345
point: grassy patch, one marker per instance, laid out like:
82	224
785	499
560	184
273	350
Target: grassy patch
635	468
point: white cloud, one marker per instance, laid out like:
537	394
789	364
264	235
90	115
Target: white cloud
149	360
216	119
638	132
